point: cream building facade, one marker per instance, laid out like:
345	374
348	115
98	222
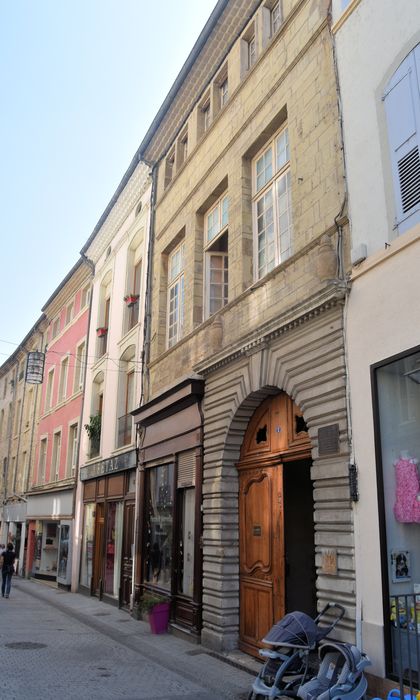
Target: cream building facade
117	251
244	431
378	58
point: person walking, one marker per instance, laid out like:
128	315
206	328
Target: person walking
7	569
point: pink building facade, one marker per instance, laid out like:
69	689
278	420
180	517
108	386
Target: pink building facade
50	506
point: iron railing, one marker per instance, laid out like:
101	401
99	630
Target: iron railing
125	424
405	641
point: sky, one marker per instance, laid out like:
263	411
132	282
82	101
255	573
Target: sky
80	83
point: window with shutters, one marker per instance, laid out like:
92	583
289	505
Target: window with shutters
216	259
176	295
402	106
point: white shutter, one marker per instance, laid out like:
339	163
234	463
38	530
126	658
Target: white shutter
402	103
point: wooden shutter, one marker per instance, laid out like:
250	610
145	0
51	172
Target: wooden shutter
402	104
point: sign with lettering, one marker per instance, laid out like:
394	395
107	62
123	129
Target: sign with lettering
109	466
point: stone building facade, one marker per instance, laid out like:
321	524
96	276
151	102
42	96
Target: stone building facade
19	416
250	249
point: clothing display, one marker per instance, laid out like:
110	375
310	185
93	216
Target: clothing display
407	492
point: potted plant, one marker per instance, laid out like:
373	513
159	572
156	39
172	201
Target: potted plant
157	609
131	299
101	331
93	429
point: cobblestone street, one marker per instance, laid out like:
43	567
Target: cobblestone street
61	645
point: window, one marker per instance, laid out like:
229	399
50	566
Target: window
224	92
1	423
5	388
55	328
80	366
216	256
204	116
62	390
72	449
159	516
49	391
402	106
252	55
17	417
69	313
275	18
176	295
42	461
182	149
271	205
55	464
126	396
21	370
169	167
85	297
133	305
102	330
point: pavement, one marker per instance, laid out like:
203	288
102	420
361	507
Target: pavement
69	646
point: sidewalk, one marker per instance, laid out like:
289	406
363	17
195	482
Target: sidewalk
63	645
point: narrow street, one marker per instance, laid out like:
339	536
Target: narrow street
62	645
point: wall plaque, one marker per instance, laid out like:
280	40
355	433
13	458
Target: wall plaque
329	440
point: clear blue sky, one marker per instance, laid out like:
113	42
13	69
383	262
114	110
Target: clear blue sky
80	82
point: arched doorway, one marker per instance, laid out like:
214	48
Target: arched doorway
276	531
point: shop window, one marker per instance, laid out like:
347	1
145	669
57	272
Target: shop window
114	528
86	567
159	526
398	392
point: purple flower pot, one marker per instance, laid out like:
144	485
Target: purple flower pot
159	618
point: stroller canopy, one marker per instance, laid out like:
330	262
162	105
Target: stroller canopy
296	629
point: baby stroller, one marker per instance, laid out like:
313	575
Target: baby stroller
340	675
291	640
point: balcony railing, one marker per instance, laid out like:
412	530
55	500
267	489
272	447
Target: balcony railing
405	640
125	425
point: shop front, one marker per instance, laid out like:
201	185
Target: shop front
107	548
49	541
396	384
14	530
170	463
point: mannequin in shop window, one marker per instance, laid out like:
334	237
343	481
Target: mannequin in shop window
407	493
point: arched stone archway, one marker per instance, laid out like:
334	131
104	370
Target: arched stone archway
307	363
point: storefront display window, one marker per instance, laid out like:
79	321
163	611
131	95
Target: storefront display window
86	570
159	516
114	528
398	393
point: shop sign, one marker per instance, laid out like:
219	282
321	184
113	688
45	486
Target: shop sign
109	466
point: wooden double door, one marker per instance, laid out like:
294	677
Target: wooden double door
276	530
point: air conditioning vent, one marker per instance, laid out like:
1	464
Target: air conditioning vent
409	174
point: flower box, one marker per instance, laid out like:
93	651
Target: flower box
131	299
100	332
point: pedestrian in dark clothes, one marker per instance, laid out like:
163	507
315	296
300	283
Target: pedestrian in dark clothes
7	569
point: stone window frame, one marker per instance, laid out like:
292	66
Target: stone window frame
216	246
269	189
175	316
56	455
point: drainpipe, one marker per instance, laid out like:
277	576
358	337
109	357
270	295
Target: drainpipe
144	391
78	487
145	378
341	276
